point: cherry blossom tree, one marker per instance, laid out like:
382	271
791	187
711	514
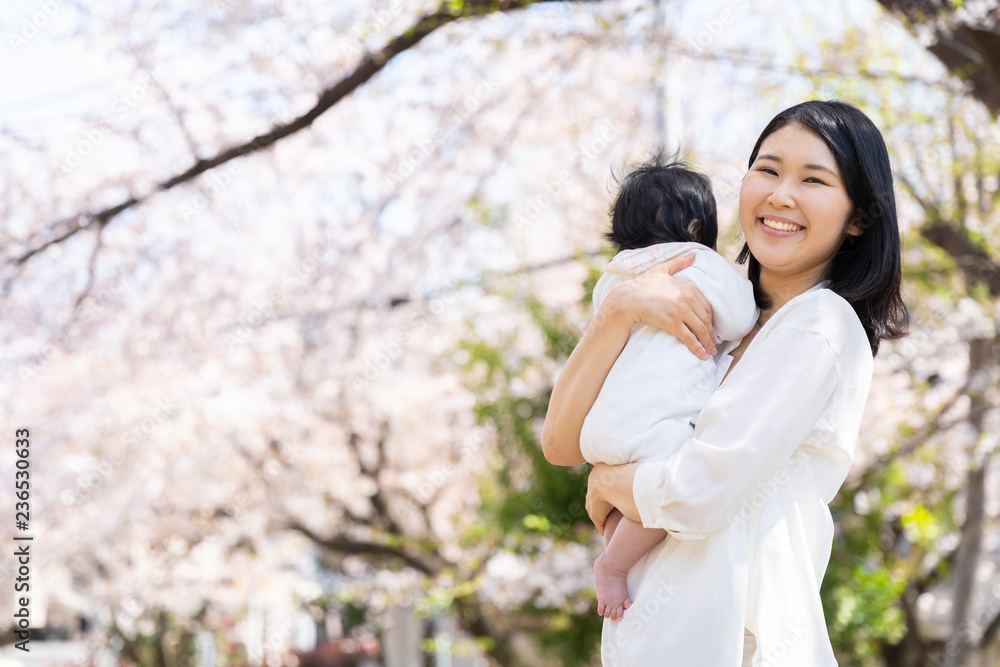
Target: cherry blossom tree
287	288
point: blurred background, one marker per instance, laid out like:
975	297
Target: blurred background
285	286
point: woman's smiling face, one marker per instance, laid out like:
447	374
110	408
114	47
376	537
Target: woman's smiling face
794	206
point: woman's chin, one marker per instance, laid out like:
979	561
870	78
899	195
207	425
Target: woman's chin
767	255
773	260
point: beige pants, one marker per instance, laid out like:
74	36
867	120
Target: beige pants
749	646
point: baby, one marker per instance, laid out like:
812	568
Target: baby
649	403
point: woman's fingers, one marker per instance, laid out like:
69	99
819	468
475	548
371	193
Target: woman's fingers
694	328
596	515
703	307
597	507
691	341
675	306
675	264
693	313
700	322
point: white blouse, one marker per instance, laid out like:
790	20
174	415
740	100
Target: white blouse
745	502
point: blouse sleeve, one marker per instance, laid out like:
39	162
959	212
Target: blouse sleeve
745	434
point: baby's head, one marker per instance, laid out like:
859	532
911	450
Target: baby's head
662	201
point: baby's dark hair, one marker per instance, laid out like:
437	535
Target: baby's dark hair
663	201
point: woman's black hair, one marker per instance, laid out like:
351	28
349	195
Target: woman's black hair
663	201
867	268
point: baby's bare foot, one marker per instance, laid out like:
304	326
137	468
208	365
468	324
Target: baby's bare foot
612	590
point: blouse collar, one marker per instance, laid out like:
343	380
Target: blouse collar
728	346
823	284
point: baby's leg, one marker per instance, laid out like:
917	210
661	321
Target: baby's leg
626	546
610	524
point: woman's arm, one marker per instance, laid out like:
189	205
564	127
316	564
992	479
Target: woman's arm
610	487
654	298
743	442
745	433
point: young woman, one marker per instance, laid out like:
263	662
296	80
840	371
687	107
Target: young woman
746	498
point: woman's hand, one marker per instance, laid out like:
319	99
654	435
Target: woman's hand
598	507
658	299
610	487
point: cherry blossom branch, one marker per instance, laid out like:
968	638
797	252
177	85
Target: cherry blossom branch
370	65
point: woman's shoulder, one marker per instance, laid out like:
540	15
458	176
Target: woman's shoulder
824	312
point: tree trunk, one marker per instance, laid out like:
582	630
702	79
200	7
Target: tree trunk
912	650
965	631
429	657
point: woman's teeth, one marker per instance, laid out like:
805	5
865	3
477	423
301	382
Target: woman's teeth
781	226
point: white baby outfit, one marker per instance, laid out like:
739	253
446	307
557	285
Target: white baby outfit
650	400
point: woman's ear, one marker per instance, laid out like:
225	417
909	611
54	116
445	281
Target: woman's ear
853	228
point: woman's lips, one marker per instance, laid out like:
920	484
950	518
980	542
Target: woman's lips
778	227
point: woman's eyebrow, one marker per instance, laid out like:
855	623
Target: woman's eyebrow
821	168
775	158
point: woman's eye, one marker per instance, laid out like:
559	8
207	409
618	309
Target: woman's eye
767	170
815	180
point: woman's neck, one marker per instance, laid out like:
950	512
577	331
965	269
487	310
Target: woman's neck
782	289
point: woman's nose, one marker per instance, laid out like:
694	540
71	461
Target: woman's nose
781	196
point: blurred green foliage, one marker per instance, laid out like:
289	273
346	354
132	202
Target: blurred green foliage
528	502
